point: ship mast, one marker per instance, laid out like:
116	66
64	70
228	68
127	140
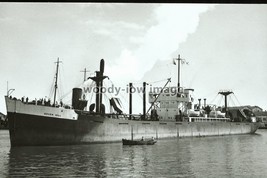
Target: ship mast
55	94
179	70
225	94
179	62
99	84
9	91
130	100
84	74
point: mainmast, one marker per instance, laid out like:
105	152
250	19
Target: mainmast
179	70
179	62
55	94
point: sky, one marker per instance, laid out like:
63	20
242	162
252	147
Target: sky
225	46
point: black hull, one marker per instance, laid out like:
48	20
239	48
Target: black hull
28	130
32	130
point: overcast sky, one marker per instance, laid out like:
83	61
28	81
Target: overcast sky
225	46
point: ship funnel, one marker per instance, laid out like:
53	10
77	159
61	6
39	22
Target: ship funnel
76	96
77	101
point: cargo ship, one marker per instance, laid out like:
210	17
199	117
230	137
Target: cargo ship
172	114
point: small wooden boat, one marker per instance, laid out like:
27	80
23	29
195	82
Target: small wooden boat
138	142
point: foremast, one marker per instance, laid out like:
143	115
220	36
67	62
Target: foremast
55	94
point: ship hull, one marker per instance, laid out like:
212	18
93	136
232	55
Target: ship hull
32	130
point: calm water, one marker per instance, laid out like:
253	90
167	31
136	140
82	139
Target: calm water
223	156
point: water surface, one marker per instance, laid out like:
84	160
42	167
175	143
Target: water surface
222	156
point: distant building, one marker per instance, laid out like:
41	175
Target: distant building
243	113
262	117
2	117
251	108
255	109
3	121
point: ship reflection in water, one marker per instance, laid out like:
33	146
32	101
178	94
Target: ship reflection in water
240	155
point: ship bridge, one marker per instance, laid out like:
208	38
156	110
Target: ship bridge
171	102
